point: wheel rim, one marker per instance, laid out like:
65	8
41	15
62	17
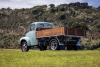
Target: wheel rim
53	45
24	47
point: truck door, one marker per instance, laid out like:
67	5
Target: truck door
32	35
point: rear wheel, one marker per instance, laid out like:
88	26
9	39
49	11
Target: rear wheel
24	46
54	45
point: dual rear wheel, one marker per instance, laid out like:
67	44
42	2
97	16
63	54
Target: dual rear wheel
53	45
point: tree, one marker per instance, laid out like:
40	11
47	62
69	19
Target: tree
76	8
52	10
8	8
36	10
75	25
88	11
70	23
66	7
61	8
83	25
22	9
62	16
73	14
44	6
99	8
52	6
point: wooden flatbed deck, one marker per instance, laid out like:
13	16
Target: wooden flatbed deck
61	31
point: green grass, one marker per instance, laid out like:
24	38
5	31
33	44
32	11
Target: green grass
48	58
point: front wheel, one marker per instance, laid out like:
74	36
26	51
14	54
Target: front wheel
54	45
24	46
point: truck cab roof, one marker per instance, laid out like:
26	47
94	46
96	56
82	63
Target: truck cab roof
42	25
41	22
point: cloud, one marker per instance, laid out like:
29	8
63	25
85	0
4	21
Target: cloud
30	3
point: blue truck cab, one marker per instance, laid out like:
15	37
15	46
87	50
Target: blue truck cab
30	38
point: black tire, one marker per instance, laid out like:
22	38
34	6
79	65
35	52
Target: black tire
43	48
24	46
54	44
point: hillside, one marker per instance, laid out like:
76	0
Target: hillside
15	23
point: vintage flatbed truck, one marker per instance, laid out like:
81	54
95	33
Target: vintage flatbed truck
44	34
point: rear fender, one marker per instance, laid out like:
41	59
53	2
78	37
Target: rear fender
27	39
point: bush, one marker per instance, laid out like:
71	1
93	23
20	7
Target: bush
61	8
2	14
70	23
99	8
75	25
36	16
52	6
76	8
37	10
98	26
62	16
40	13
94	23
66	7
22	9
89	44
99	30
52	10
83	25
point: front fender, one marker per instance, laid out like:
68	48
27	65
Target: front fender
27	39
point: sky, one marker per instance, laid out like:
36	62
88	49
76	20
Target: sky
18	4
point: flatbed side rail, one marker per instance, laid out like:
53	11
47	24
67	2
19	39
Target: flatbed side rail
61	31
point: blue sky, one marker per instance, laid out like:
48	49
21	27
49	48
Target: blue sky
94	3
30	3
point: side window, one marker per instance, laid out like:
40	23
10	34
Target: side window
32	27
49	25
41	25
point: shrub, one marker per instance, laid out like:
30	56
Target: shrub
62	16
37	10
36	16
52	10
94	23
75	25
2	14
89	44
52	6
83	25
98	29
61	8
76	8
70	23
40	13
99	8
22	9
66	7
98	26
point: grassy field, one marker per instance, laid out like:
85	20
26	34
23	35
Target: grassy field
48	58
